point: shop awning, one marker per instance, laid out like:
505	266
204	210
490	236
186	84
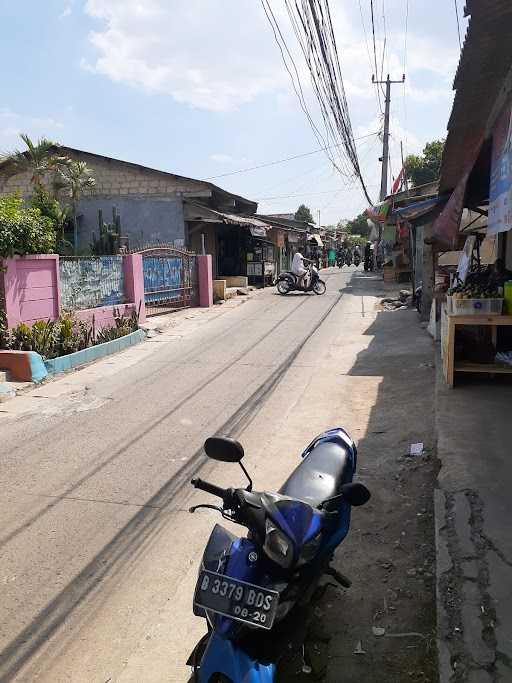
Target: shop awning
196	211
317	239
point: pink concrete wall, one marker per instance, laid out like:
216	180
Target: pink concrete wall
205	280
104	315
31	288
134	283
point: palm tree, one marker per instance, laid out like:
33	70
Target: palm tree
38	159
74	178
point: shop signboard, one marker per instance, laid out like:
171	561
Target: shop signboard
500	194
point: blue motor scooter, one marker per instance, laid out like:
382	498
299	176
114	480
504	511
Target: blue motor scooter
254	592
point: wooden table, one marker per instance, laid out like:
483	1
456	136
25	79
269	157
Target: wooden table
449	325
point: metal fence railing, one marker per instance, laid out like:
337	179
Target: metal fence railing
91	281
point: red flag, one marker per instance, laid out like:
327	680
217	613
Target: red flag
398	182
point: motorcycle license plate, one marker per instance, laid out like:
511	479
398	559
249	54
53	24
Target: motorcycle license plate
236	599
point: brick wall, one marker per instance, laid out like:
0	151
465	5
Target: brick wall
148	201
117	178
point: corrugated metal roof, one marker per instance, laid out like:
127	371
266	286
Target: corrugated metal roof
228	218
484	64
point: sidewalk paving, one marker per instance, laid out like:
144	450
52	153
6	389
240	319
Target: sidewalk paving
473	502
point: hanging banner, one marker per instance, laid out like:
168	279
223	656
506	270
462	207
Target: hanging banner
500	194
378	212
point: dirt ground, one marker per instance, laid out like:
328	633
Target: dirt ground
382	629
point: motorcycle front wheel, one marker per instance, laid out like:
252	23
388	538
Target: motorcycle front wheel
319	287
283	287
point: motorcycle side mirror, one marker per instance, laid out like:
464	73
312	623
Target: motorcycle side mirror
224	449
355	494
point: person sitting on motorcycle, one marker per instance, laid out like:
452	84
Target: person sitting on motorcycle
299	269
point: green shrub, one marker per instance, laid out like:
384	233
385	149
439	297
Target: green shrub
24	230
21	338
63	336
4	330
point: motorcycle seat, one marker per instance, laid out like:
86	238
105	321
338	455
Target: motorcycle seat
320	475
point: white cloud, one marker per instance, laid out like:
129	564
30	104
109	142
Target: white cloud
202	55
220	55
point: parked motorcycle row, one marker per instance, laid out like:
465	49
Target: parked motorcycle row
255	591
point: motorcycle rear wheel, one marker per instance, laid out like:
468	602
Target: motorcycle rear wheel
319	287
283	287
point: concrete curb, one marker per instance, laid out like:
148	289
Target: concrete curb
73	360
23	366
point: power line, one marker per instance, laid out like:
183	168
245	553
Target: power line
405	70
458	22
307	194
297	86
374	46
384	31
282	161
312	25
377	94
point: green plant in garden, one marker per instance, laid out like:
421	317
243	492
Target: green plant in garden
5	337
63	336
21	337
38	159
24	230
109	240
44	337
75	178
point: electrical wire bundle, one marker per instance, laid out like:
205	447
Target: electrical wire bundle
312	25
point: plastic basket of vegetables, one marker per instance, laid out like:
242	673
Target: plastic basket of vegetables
474	300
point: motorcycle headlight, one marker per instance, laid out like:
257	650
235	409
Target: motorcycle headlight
310	549
278	547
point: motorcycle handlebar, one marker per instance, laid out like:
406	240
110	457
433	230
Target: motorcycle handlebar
209	488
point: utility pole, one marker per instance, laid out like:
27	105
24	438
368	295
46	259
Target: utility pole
385	143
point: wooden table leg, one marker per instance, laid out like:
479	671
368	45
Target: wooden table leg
450	361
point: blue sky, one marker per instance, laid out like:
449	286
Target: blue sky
197	87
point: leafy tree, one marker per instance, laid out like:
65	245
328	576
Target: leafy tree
38	159
75	178
358	226
60	216
24	230
303	213
426	167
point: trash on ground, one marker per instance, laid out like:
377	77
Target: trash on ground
404	300
416	449
359	649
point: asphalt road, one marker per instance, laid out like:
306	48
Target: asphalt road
98	553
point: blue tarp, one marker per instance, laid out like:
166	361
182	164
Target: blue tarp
419	208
